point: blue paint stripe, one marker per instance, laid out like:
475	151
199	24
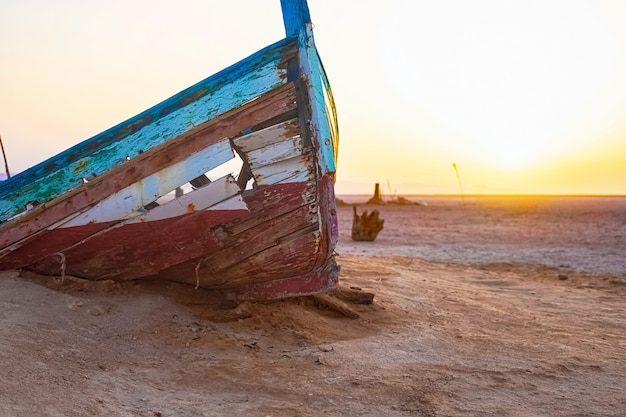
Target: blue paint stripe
295	16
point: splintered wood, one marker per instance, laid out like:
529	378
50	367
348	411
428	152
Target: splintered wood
365	227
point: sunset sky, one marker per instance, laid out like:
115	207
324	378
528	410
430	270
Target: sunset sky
524	96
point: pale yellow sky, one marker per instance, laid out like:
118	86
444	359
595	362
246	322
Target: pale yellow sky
524	96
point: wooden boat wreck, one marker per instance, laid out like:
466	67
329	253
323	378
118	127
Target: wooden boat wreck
108	208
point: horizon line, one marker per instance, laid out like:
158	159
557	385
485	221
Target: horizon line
490	195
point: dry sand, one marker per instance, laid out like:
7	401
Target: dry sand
496	307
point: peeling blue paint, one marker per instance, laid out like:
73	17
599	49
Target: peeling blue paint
255	75
219	93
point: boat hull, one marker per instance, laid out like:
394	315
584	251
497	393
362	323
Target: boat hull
265	248
228	185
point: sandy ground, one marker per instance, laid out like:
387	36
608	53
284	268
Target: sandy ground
494	307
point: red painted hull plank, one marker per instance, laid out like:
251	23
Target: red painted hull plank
54	241
140	249
318	280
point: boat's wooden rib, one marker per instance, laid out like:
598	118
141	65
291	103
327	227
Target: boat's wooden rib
287	148
276	152
298	169
268	136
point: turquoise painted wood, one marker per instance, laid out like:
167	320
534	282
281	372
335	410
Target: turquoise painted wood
323	111
296	16
211	97
297	21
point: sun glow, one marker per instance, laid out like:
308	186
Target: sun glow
516	83
525	96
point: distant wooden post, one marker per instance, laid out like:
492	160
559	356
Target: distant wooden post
376	198
366	226
4	155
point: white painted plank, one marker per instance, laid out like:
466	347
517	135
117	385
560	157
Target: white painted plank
233	203
276	152
126	202
211	196
269	135
299	169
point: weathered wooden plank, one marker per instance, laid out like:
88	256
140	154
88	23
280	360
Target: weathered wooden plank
258	245
276	152
298	169
271	202
208	197
297	255
318	196
262	236
235	248
136	250
272	105
327	211
297	258
268	136
126	202
335	304
353	295
228	89
321	279
24	253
